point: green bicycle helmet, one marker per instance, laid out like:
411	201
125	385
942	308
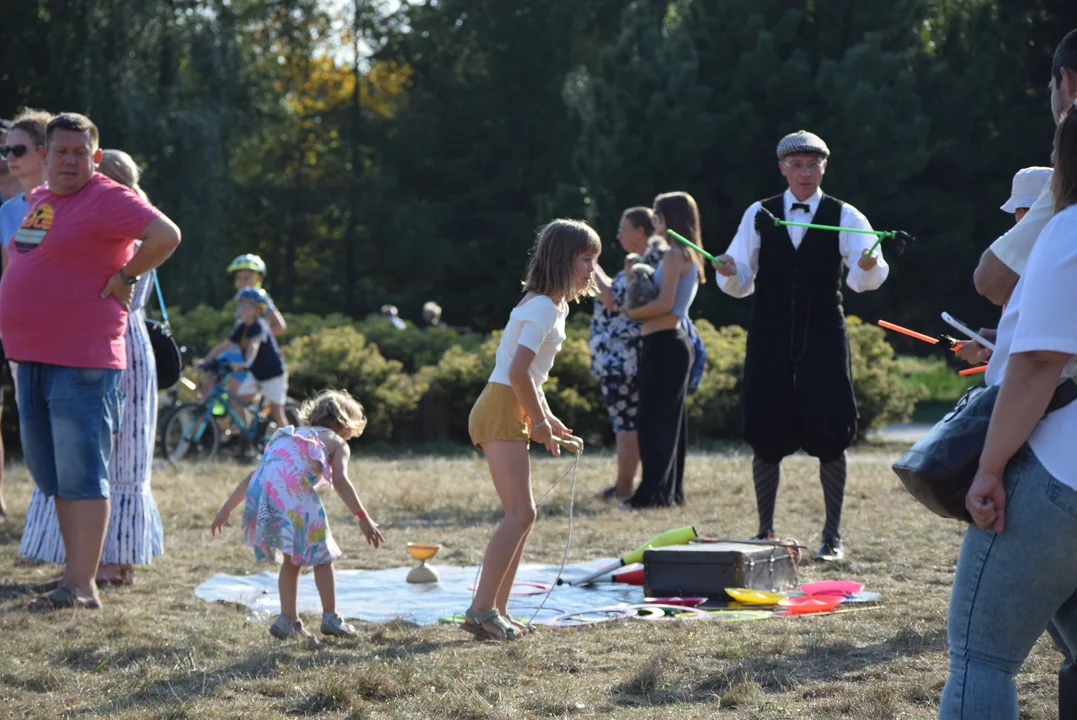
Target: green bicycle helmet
248	262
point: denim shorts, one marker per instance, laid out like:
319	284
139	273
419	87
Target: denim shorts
622	400
67	420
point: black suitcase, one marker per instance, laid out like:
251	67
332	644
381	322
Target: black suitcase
707	569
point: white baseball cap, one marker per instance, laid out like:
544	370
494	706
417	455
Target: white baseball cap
1027	186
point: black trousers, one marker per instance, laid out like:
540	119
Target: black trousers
664	366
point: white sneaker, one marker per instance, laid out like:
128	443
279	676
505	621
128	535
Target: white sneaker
333	624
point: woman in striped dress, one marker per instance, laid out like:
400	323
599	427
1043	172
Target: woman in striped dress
134	534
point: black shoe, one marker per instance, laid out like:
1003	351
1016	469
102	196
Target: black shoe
830	551
765	535
609	494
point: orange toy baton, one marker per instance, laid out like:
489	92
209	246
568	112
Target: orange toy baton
907	331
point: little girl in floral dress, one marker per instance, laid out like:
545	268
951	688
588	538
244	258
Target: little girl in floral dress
283	511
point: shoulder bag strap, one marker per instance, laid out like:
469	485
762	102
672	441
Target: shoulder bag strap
1064	395
160	298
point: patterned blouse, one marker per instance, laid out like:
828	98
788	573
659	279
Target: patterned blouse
615	337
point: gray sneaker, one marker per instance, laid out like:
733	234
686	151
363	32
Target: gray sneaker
285	627
333	624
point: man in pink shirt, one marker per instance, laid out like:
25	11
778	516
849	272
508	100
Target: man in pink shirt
64	299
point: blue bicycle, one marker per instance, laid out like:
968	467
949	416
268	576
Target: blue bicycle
196	431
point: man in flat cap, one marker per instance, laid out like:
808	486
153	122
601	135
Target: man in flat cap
798	388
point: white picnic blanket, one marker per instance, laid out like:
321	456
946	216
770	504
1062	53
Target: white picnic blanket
382	595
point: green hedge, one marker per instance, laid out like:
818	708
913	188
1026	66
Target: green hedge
419	384
433	402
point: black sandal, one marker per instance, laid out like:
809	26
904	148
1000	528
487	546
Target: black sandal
61	598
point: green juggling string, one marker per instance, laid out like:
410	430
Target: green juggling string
882	234
764	215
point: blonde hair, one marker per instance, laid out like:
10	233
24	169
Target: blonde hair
33	123
550	271
121	167
335	410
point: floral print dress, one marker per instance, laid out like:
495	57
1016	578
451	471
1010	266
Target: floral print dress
283	512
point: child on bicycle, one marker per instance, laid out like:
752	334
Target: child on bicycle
250	271
283	512
261	354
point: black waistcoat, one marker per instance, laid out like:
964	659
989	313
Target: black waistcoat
798	390
801	285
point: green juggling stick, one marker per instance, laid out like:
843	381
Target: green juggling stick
697	248
678	536
677	236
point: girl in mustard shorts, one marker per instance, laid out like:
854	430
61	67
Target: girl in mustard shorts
512	410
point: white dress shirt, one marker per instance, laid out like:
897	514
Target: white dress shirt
745	247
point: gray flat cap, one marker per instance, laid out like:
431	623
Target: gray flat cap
802	142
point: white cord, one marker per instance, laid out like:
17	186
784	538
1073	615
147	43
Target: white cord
568	540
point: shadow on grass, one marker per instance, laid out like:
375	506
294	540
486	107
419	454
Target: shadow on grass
458	517
746	680
373	681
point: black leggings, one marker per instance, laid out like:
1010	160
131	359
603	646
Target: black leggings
664	365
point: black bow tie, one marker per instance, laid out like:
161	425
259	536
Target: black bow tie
802	206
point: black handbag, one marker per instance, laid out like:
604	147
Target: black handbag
165	351
939	469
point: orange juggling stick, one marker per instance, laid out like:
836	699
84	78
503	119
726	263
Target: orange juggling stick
972	370
906	331
953	345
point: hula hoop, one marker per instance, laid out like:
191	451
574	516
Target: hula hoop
740	615
680	612
539	588
607	614
537	609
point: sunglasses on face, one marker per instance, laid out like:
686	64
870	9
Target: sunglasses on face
16	150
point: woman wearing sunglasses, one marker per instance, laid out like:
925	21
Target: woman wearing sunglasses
20	149
26	163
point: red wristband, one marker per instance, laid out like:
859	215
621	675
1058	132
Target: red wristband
361	514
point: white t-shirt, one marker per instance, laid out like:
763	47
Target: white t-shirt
1041	316
1014	247
538	325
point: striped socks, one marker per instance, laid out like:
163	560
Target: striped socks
765	476
832	474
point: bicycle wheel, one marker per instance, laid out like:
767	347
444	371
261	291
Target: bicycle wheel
190	433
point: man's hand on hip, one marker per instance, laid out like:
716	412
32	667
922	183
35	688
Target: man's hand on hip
118	288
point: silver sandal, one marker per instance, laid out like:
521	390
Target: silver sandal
477	626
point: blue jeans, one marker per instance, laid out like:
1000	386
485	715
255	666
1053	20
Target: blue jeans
1067	676
1007	588
67	419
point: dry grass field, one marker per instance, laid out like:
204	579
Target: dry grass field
156	651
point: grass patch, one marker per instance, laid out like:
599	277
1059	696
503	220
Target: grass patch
156	651
939	382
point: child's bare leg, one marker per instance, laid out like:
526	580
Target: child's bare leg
501	599
288	587
277	413
510	467
325	581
